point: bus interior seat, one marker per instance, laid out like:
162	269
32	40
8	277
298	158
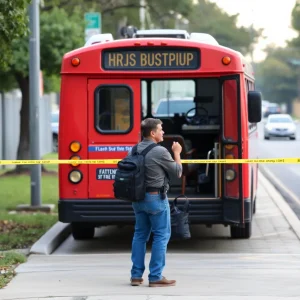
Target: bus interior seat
189	170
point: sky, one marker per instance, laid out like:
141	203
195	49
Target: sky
274	16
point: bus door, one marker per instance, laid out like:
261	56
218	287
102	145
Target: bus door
114	117
232	176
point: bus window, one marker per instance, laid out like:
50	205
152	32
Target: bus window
172	96
144	99
112	107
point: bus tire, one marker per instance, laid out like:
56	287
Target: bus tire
81	231
241	233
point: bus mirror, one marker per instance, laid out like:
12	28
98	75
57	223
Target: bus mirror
254	106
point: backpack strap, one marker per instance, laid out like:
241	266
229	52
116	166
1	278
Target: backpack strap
134	150
148	148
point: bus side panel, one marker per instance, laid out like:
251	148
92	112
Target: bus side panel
73	127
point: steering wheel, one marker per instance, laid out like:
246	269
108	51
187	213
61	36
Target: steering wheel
196	119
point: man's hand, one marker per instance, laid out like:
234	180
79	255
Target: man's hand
176	148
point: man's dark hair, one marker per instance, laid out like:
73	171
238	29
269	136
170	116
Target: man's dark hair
149	125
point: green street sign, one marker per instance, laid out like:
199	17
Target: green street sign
93	24
93	20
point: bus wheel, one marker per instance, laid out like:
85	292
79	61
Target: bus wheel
82	231
241	233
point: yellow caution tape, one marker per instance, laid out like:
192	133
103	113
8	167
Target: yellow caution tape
184	161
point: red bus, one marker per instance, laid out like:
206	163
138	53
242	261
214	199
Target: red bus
203	93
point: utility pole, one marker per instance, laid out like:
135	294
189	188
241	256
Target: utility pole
142	13
3	120
34	101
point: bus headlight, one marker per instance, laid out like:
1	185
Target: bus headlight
75	146
75	176
230	175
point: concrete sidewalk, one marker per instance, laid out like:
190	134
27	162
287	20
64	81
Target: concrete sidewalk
210	266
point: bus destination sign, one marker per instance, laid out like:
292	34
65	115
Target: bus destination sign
151	59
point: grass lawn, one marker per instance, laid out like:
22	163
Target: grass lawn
20	230
8	261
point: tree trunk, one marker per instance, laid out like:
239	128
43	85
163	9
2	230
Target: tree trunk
24	142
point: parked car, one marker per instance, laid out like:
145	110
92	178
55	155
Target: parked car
264	105
168	107
54	127
272	108
281	125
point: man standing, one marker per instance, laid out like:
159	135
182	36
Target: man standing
153	213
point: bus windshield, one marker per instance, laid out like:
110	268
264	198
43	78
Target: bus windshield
172	106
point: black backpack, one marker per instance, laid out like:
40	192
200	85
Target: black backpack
130	176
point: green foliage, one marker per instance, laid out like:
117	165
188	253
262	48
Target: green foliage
295	43
51	83
7	82
296	16
59	33
277	76
207	17
13	25
203	17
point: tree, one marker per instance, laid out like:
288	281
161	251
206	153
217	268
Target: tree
59	33
203	16
119	12
295	43
209	18
277	74
13	24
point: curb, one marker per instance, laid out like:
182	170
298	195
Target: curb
51	239
277	198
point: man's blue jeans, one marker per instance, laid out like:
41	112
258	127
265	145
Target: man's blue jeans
152	214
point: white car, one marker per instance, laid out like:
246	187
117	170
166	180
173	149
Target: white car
280	125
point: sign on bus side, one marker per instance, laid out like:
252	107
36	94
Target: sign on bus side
92	24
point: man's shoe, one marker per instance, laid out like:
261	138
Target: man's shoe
163	282
136	281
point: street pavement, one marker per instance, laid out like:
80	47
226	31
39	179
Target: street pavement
210	266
